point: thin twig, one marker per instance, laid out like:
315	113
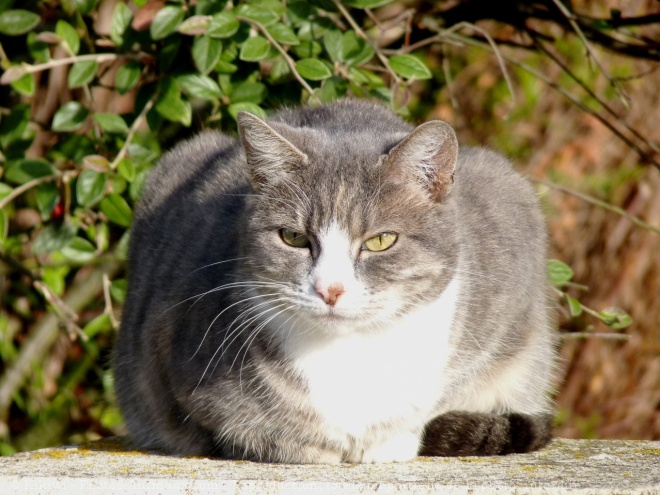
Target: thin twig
290	62
26	187
570	17
596	335
602	204
108	302
448	79
642	153
358	30
131	132
587	89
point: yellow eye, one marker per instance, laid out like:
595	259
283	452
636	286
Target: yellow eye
380	242
295	239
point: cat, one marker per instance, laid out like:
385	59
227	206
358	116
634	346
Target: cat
336	286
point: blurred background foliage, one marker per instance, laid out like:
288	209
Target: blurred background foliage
92	91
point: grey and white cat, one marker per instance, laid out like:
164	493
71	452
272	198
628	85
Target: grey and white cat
336	286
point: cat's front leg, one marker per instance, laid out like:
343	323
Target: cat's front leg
400	447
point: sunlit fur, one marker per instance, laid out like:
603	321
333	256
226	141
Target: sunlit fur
239	341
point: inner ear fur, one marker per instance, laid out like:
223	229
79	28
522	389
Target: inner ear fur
426	157
268	153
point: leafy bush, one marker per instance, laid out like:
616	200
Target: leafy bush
94	90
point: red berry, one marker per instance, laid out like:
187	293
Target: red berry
58	211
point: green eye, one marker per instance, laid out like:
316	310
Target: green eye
295	239
380	242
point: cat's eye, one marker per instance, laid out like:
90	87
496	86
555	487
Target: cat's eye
380	242
293	238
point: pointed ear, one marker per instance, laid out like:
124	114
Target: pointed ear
427	156
269	155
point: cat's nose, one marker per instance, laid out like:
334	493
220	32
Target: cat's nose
330	293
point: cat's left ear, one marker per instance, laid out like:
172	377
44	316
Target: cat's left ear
269	155
427	156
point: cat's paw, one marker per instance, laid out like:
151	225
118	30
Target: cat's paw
401	447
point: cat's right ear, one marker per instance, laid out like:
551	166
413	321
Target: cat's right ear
269	155
426	158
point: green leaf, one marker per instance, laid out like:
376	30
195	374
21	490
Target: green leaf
409	67
119	289
121	20
5	190
69	35
117	210
127	76
48	195
209	7
558	272
25	85
194	25
355	50
206	53
366	4
14	125
258	14
255	49
574	306
25	170
90	187
82	73
246	107
253	92
4	224
54	277
69	117
111	122
308	49
313	69
615	318
166	21
126	168
85	6
171	106
199	86
38	49
18	21
135	188
332	41
99	325
283	34
79	250
223	25
53	238
332	89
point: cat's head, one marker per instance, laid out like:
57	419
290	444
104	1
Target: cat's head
347	229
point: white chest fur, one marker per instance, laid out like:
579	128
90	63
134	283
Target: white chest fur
356	381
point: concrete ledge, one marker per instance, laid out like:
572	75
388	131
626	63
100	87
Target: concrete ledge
583	467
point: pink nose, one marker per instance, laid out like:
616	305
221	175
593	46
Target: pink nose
331	293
